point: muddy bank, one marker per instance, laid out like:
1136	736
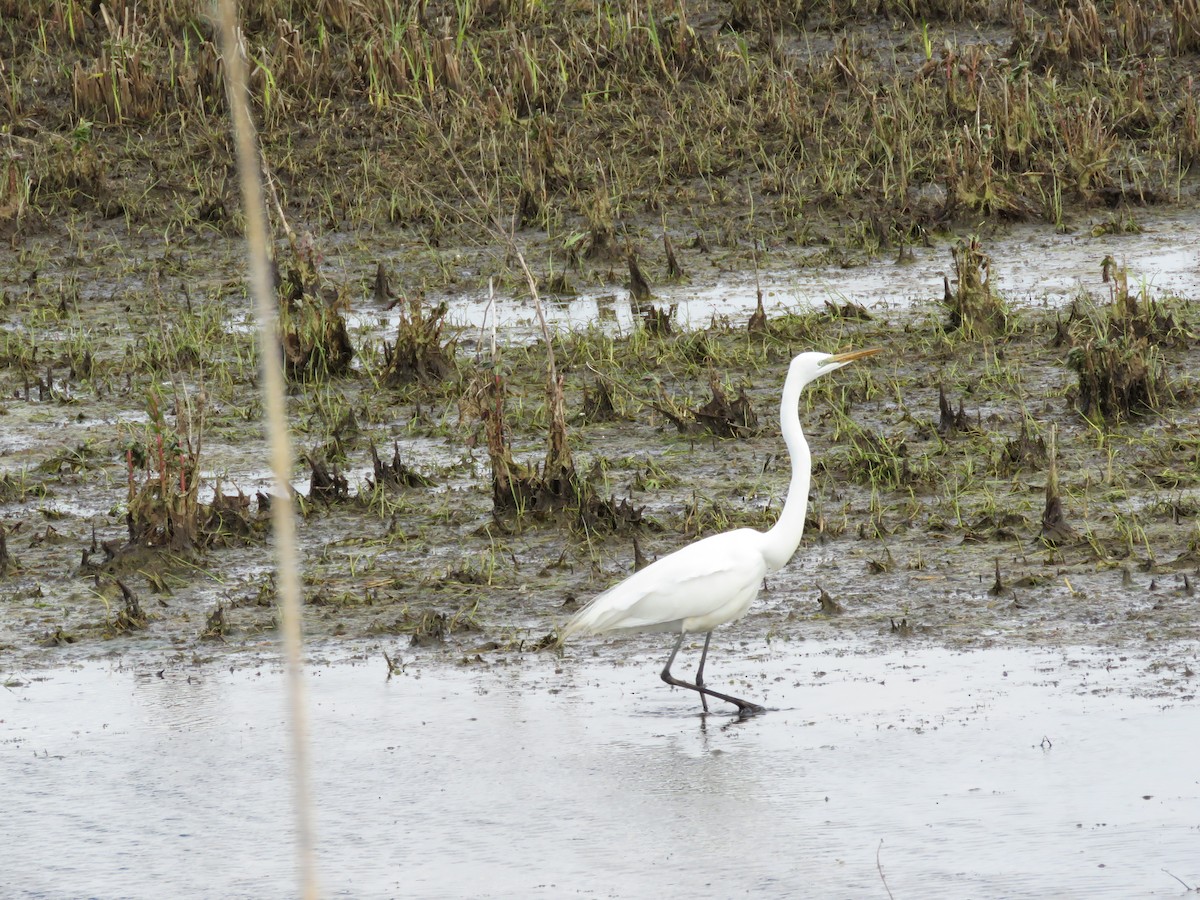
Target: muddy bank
1021	465
133	484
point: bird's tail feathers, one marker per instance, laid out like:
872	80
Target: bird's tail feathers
589	620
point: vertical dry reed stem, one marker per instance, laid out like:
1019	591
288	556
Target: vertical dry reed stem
277	433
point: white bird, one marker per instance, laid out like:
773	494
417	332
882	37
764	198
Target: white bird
714	580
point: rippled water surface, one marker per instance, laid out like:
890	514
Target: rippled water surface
998	773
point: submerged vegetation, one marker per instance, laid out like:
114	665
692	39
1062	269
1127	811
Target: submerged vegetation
1001	463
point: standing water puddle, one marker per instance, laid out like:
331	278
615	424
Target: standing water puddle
992	773
1028	265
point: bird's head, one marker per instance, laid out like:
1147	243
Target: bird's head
811	365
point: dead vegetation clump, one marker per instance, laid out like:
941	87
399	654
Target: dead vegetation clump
1024	451
1116	350
674	269
326	483
122	84
639	288
228	514
420	353
720	416
130	616
975	310
847	311
598	405
163	510
555	487
1117	379
951	422
1132	315
725	417
312	320
316	343
657	319
758	319
610	515
1056	530
560	482
7	563
394	473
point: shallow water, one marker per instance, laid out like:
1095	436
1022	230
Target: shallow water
1029	264
996	773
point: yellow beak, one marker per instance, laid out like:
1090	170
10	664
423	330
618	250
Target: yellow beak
853	355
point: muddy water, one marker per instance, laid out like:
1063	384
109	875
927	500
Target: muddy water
994	773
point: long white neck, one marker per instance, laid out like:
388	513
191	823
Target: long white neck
783	539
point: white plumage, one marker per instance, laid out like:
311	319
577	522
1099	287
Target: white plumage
694	589
714	581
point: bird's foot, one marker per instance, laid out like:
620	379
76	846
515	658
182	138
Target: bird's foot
747	709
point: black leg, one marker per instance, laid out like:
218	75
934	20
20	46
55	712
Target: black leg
666	672
700	670
703	657
745	707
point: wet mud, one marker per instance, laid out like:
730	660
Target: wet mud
935	523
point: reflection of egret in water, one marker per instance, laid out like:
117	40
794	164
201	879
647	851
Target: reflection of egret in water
178	701
641	774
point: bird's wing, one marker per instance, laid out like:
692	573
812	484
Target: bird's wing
694	581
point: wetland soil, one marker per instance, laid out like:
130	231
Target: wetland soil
132	478
928	514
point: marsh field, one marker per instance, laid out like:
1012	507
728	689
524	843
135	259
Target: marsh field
541	268
1018	466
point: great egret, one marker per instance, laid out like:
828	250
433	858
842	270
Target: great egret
714	580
